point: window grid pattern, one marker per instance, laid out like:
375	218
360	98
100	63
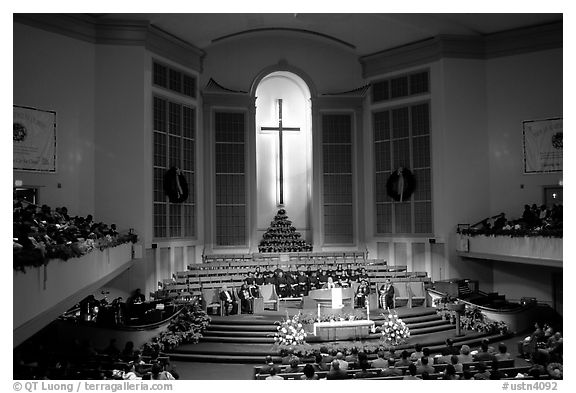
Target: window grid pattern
174	80
230	198
402	139
401	86
337	178
174	145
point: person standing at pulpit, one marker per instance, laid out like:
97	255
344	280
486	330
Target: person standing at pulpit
330	284
313	282
281	285
303	283
246	300
228	299
386	295
361	293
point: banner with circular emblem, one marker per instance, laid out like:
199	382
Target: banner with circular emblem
34	139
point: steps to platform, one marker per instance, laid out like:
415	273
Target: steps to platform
248	339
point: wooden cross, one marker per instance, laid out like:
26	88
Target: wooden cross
280	129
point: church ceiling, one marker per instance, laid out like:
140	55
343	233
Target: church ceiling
363	33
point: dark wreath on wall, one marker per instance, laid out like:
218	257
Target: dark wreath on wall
401	185
175	185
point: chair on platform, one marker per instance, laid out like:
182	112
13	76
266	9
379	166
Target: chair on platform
416	292
269	295
212	300
401	293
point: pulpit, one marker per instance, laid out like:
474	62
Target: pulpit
335	298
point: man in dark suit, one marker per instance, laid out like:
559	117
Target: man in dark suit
228	298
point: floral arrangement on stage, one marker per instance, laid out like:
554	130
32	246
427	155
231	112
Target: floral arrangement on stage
394	330
474	319
185	328
356	314
290	331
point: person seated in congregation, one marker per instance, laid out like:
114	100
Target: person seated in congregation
269	366
449	349
259	276
529	345
273	376
227	298
348	269
404	359
483	372
465	356
353	276
483	355
338	273
386	295
293	366
424	366
363	276
292	280
391	370
322	278
450	373
330	284
270	279
309	373
503	353
313	281
364	373
137	297
361	294
380	362
282	288
303	282
246	300
335	372
278	270
411	374
344	280
455	362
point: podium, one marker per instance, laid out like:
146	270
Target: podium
335	298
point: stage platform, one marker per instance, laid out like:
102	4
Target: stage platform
249	338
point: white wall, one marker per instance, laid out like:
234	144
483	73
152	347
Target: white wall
297	152
518	88
460	184
53	72
122	160
235	63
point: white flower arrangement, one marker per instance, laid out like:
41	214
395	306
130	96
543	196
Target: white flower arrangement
394	330
290	332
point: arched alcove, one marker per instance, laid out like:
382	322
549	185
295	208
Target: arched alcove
294	94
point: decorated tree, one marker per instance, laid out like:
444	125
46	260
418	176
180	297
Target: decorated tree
281	236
